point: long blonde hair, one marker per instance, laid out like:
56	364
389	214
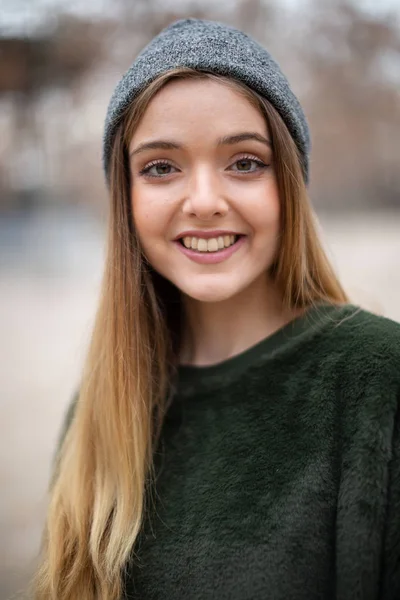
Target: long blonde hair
105	472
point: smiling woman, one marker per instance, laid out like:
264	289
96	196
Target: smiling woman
217	187
236	433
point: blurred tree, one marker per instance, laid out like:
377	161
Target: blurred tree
30	67
55	59
354	105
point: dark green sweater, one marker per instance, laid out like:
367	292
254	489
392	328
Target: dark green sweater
279	471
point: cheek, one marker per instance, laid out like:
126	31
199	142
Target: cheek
262	210
149	213
147	230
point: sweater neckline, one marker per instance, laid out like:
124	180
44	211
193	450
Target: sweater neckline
194	374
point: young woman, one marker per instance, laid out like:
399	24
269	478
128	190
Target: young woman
236	432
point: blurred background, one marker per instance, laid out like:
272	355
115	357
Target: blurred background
59	62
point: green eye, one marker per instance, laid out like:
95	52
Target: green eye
248	165
162	169
244	164
158	169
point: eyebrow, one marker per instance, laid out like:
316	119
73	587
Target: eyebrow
243	137
224	141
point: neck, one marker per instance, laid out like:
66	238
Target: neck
216	331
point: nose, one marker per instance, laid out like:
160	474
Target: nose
204	198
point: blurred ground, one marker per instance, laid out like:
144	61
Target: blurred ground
50	270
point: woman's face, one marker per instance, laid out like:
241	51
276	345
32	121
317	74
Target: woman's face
202	178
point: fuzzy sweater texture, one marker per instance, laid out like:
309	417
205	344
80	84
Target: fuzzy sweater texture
278	470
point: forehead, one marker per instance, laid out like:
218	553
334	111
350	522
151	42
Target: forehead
200	107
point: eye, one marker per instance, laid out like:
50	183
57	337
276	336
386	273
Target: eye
157	169
248	164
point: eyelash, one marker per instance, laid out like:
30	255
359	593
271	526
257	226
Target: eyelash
146	169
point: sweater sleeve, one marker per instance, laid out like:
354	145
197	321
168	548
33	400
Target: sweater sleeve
390	588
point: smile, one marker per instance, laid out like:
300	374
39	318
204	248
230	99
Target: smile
209	245
211	250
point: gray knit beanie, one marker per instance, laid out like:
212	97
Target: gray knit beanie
220	49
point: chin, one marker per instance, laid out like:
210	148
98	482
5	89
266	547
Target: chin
213	293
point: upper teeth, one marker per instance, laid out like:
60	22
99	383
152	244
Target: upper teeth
211	244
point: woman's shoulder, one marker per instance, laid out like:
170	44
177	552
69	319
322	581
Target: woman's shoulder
367	346
364	332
